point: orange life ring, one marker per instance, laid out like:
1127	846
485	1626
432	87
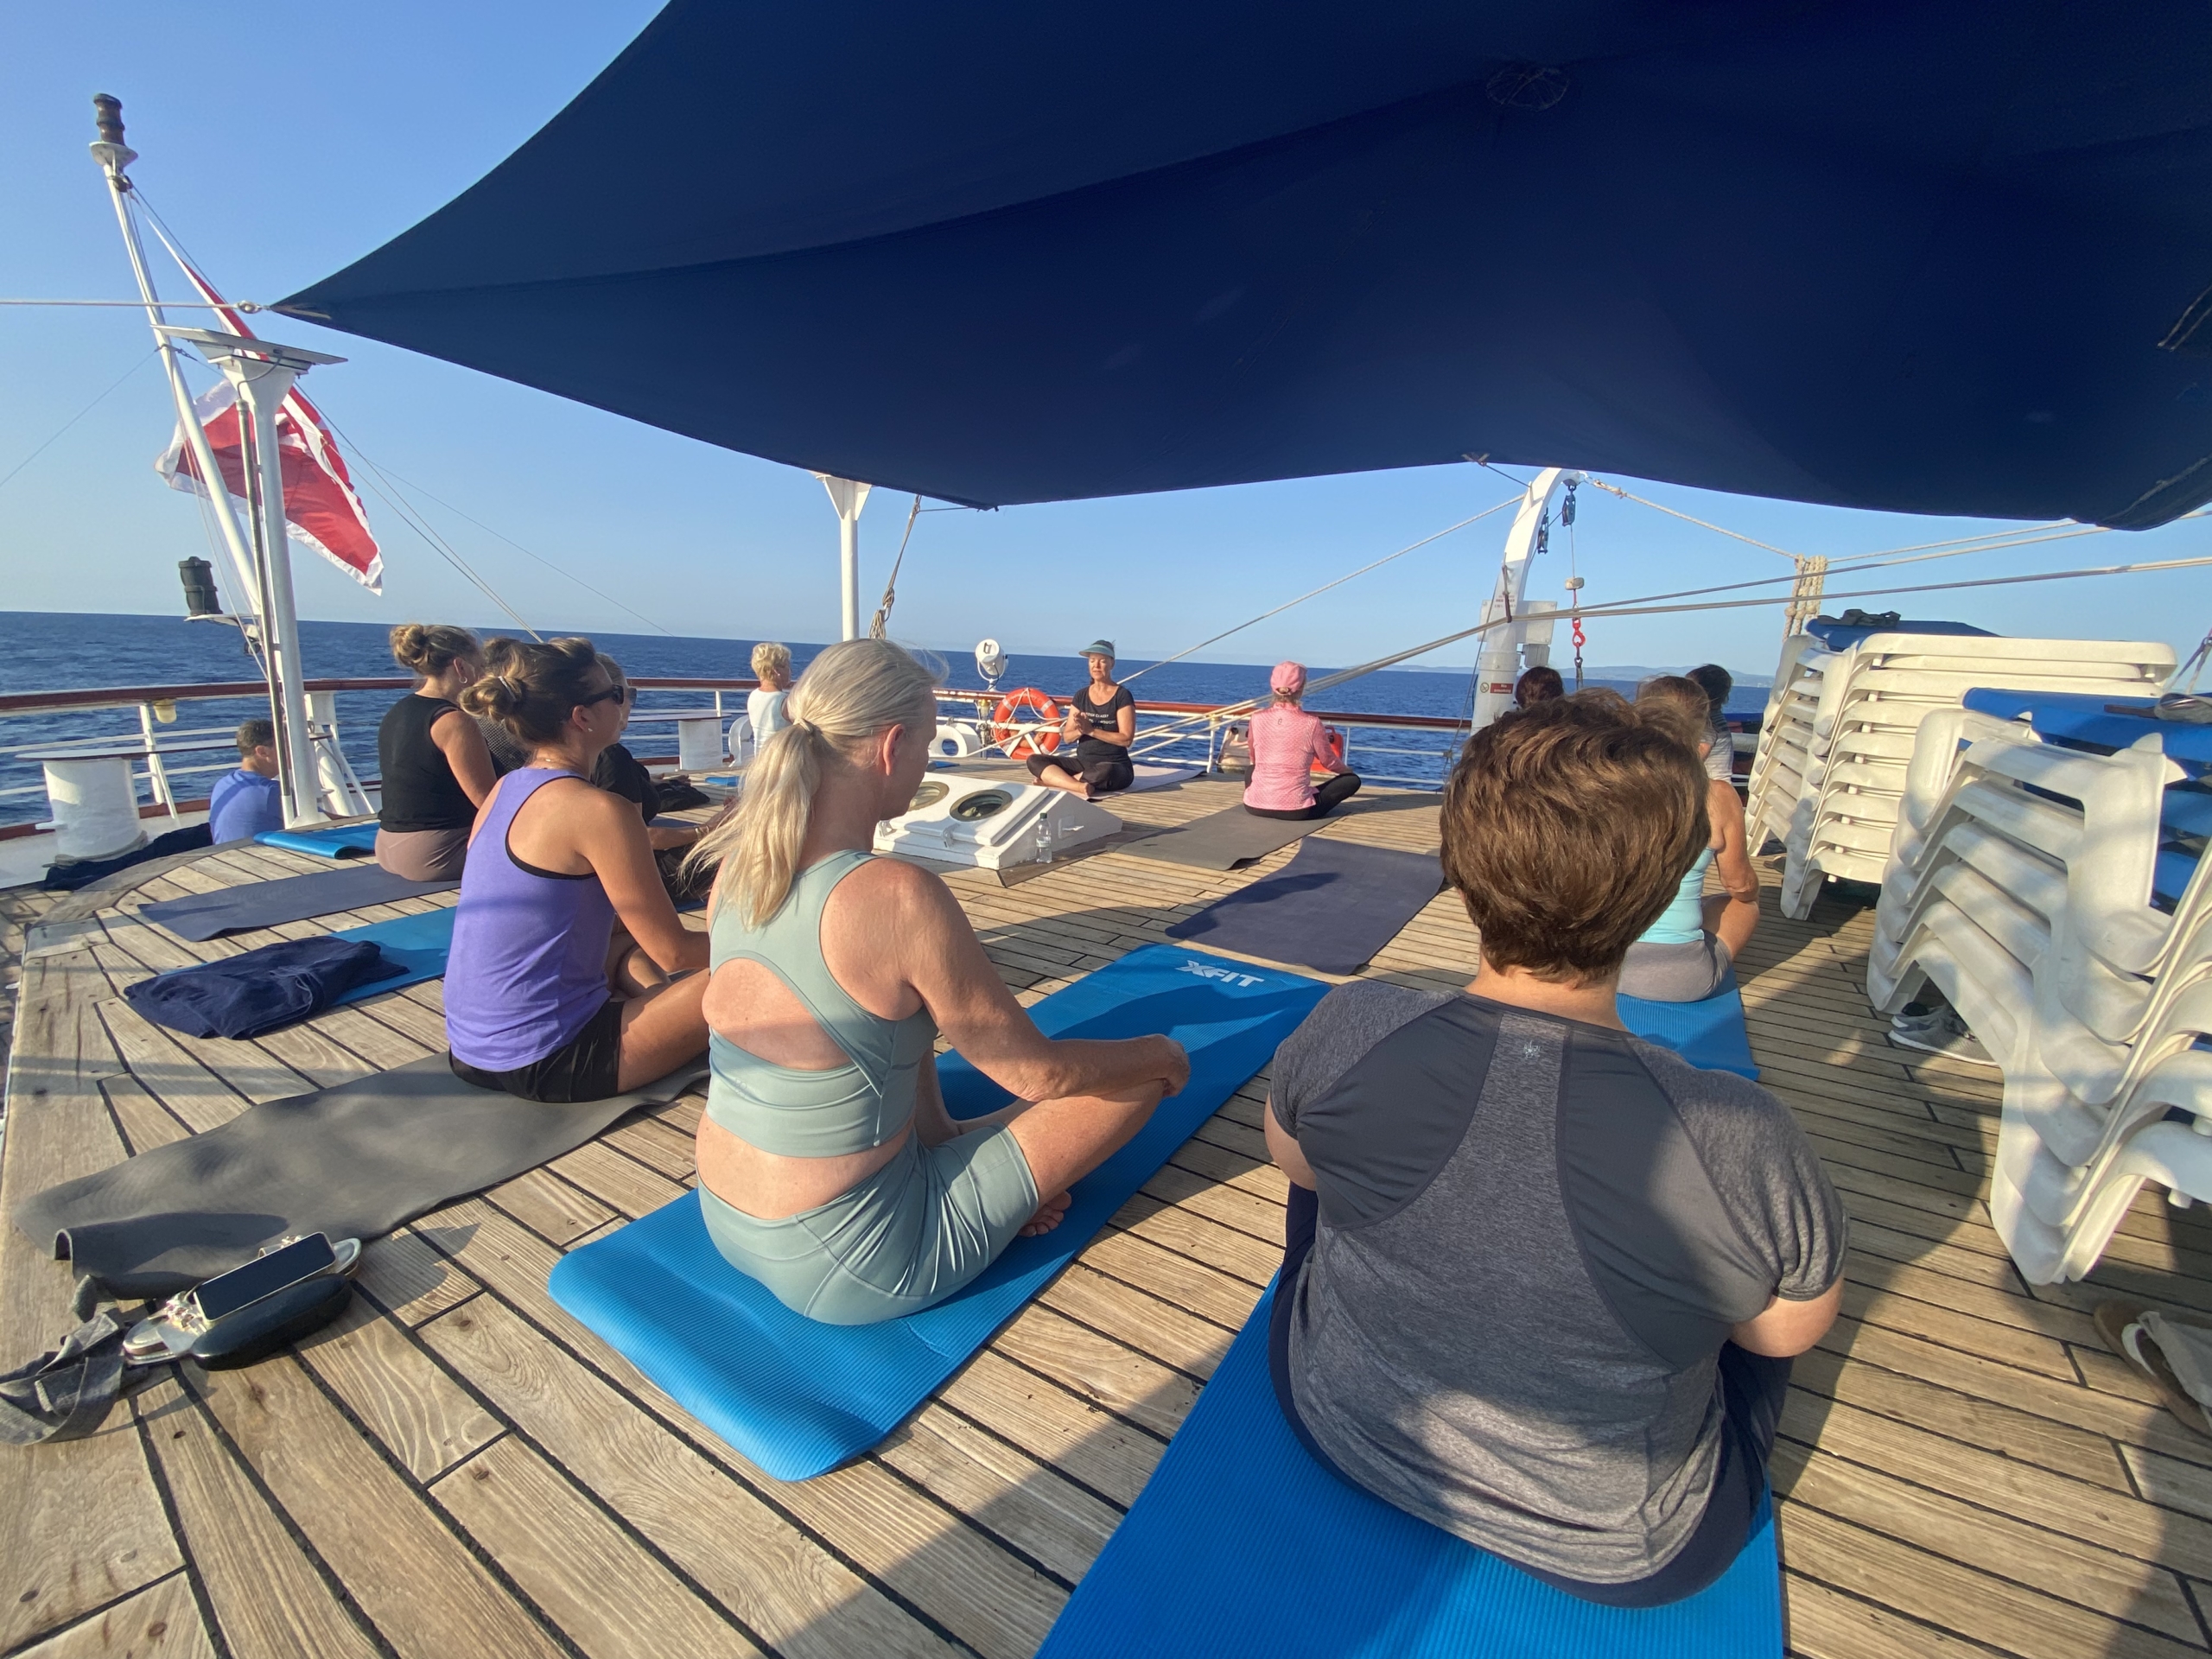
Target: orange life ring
1335	741
1024	739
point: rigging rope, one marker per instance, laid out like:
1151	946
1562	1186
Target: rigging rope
1376	564
882	619
78	416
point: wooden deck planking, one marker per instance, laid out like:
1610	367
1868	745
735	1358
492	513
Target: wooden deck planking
459	1467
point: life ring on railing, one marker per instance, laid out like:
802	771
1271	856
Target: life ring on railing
1333	741
1021	739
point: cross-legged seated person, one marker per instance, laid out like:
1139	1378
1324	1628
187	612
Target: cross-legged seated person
436	766
545	996
1542	1279
828	1168
1093	759
1287	744
1684	957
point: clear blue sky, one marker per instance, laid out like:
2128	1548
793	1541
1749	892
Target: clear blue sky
281	154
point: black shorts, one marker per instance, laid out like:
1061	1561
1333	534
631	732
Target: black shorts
1104	774
589	1066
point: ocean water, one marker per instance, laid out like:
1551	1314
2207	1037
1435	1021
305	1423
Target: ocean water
59	651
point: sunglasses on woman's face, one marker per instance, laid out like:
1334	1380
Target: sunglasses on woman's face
613	693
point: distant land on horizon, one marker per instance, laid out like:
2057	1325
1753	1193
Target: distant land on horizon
1599	670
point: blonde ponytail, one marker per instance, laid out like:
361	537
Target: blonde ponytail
851	693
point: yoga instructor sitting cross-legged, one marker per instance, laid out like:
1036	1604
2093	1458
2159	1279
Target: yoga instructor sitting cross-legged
828	1168
1542	1281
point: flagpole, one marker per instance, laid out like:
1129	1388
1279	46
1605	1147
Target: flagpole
113	155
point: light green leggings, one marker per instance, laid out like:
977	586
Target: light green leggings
911	1234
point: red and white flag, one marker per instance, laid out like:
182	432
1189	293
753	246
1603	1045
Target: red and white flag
321	510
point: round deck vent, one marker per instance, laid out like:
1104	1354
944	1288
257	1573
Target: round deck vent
983	803
931	792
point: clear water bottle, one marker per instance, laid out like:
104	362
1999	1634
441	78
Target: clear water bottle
1044	837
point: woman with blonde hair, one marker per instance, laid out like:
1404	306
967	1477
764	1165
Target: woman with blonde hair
544	997
436	768
829	1170
764	707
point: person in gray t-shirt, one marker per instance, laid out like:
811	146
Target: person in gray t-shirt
1542	1278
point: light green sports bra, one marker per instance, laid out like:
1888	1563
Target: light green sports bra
855	1107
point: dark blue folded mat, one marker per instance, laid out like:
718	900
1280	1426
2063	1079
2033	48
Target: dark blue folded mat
1331	907
415	945
799	1398
1241	1545
1710	1033
339	840
287	899
262	990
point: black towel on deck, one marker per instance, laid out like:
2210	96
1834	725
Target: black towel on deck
246	995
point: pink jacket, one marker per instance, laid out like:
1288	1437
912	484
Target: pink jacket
1286	742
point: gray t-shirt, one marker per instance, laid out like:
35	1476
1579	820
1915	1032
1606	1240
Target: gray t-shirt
1534	1238
1720	759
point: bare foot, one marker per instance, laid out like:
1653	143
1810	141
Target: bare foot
1048	1215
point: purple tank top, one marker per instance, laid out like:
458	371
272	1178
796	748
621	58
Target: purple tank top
529	963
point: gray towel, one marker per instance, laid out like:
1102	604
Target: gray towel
354	1162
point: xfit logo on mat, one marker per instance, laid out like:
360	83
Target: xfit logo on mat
1227	975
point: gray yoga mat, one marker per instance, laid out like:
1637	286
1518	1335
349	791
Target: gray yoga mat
1331	907
354	1162
288	899
1222	841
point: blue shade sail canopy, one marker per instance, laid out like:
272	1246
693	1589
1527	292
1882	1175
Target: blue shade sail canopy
1934	256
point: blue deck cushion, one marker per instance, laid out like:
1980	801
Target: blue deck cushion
339	840
2083	718
1710	1033
1242	1546
418	944
1839	636
799	1398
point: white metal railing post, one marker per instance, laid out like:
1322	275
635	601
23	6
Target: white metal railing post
157	775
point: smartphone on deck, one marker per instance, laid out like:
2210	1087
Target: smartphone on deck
265	1275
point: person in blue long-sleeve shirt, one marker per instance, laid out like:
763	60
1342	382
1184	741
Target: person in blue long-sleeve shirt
246	802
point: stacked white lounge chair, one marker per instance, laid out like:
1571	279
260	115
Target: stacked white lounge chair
1841	718
2055	894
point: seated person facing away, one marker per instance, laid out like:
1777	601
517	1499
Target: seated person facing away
1101	723
1539	685
1717	682
545	998
764	707
829	1169
1286	743
1541	1279
1684	957
247	803
435	768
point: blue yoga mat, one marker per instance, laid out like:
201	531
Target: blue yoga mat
1710	1033
1331	907
799	1398
418	944
1241	1545
340	841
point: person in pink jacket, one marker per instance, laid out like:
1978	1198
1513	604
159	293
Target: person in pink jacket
1286	743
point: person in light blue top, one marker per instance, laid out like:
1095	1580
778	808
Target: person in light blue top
764	707
248	803
829	1170
1685	956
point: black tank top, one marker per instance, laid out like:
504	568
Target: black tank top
420	792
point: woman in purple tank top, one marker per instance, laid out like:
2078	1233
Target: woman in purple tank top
546	996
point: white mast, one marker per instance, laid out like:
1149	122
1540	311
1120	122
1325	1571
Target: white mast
262	373
113	155
1499	664
848	497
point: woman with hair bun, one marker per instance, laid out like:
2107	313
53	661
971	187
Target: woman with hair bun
436	769
544	997
829	1170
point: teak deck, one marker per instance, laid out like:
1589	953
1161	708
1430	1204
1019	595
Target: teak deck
459	1469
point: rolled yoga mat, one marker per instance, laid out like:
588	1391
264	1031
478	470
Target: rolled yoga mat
339	840
354	1161
1222	841
288	899
1242	1547
799	1398
1331	907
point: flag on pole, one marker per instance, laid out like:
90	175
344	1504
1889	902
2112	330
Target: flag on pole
321	512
